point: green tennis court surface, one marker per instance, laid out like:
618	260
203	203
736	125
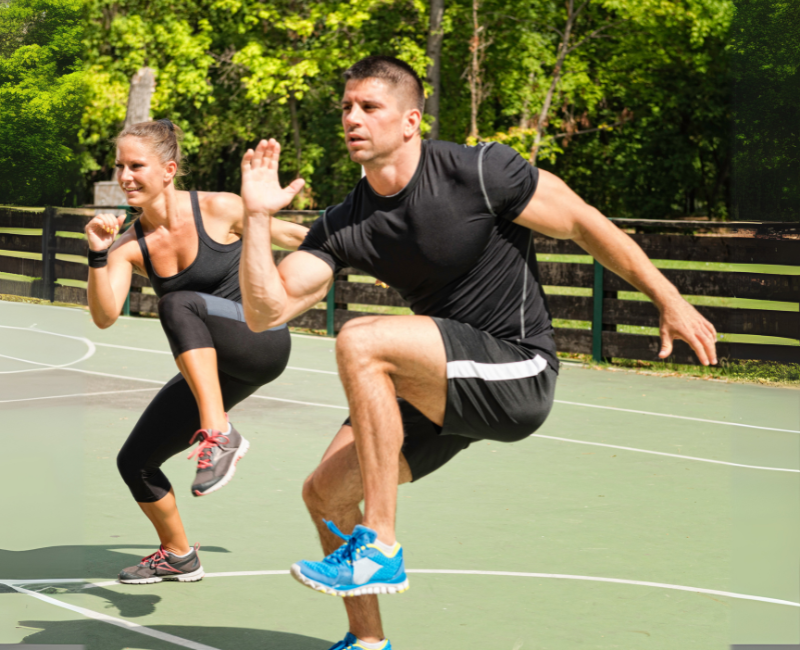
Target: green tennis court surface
651	512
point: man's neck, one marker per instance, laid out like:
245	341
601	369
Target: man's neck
388	178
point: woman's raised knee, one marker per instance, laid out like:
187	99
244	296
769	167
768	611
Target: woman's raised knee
171	304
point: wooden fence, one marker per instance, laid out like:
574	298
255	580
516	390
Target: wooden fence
603	306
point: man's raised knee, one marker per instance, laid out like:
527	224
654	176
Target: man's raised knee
311	496
355	340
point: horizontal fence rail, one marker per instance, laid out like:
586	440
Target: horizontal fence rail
35	245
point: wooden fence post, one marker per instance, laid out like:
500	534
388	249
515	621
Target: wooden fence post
597	312
48	284
330	308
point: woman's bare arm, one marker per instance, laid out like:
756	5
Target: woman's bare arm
285	234
109	285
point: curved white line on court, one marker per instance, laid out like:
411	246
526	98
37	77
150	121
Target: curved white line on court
470	572
620	581
89	352
676	417
663	453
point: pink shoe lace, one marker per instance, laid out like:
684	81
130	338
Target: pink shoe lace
155	558
209	440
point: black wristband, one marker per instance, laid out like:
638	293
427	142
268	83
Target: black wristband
98	259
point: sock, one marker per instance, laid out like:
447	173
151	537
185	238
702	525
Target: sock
372	646
184	555
386	548
227	431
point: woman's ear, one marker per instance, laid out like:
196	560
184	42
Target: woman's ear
170	169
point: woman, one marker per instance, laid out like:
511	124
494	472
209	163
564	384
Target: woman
188	244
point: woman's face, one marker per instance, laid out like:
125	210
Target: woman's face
140	173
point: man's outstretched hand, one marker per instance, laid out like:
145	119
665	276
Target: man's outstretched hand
679	320
261	190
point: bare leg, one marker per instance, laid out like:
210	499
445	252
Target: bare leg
333	492
164	515
199	368
380	358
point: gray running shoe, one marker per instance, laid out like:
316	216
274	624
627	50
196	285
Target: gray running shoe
163	565
217	455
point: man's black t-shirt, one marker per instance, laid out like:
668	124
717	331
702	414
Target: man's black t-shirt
447	243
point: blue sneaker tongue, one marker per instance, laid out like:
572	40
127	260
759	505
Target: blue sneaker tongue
365	534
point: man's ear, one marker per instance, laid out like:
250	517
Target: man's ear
411	123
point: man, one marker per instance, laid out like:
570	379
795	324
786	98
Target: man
450	227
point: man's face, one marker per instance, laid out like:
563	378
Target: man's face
374	120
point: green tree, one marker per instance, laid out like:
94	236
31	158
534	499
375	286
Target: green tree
230	72
41	101
632	109
765	53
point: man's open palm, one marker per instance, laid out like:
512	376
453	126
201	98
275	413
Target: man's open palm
261	189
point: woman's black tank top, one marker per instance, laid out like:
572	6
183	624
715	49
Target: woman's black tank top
215	270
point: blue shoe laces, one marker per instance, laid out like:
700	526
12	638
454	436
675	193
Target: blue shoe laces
346	550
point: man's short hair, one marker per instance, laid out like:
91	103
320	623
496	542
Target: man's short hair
398	73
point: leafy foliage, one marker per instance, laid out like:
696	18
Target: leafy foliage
41	101
639	123
765	53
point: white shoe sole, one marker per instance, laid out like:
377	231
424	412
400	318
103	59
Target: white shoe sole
240	452
194	576
374	589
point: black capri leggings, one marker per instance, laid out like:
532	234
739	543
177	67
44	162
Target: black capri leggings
246	360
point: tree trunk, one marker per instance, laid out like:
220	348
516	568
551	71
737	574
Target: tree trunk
563	49
143	83
474	73
434	72
300	200
296	132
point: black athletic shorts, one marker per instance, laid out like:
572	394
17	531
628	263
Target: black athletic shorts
496	390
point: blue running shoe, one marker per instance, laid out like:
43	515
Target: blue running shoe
350	642
358	567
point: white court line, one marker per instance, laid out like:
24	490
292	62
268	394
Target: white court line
344	408
125	347
558	401
662	453
294	401
105	392
157	381
127	625
512	574
677	417
89	352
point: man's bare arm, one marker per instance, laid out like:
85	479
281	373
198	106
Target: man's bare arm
555	210
271	295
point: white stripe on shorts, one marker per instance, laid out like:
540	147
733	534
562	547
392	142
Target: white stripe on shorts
495	371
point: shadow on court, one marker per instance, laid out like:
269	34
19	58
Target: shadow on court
127	605
60	562
101	636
